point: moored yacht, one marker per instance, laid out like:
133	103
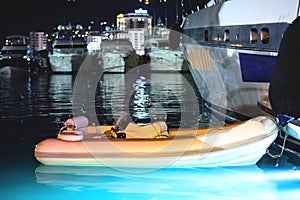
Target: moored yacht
231	48
16	55
69	50
118	54
162	56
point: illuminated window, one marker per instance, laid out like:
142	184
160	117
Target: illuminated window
253	35
206	35
226	35
216	36
265	35
237	36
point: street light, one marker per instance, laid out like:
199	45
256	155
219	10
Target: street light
90	26
67	8
146	2
101	26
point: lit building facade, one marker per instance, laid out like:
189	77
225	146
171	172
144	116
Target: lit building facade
136	26
93	43
38	41
137	39
139	19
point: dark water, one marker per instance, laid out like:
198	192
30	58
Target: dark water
34	107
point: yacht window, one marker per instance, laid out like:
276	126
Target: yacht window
253	35
237	36
265	35
206	35
215	36
218	38
226	35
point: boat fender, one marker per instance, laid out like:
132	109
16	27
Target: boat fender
71	135
73	129
78	122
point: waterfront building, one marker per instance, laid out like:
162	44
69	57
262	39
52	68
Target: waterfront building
93	41
137	38
136	26
38	41
139	19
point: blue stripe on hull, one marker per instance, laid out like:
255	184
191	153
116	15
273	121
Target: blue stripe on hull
256	68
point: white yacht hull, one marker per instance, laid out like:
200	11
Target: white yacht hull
118	55
223	85
113	62
66	63
233	71
164	60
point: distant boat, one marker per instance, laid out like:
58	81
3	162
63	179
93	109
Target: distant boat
17	56
118	54
162	57
69	50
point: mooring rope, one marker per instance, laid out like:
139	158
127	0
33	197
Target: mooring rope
282	149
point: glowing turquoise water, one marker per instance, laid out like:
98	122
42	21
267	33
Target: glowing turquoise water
249	182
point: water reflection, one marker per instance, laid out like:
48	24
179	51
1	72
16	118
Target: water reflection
60	94
171	96
50	97
169	93
102	99
248	182
23	96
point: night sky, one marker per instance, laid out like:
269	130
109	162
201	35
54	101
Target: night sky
23	16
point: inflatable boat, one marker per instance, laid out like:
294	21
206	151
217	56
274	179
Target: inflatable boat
155	145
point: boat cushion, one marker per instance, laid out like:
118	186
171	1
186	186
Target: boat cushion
155	130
